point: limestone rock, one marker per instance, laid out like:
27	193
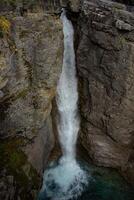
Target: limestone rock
105	61
55	6
75	5
30	66
102	150
123	26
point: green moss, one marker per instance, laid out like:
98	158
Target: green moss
22	94
13	159
121	41
4	26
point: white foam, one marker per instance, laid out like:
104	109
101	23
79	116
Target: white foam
68	177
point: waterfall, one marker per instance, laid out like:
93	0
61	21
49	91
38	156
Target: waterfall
67	95
65	180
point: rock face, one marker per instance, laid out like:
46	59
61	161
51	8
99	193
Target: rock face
56	5
105	61
30	65
127	2
31	51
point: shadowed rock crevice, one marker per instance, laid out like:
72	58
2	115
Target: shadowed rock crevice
126	2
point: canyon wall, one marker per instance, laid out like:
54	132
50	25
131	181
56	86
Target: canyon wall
105	61
31	51
30	64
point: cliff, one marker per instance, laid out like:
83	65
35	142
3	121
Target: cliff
30	63
105	61
31	51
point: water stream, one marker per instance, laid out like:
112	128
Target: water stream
67	178
67	95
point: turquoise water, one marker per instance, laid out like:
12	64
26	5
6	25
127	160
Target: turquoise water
103	184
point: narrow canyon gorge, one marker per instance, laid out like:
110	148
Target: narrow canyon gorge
31	59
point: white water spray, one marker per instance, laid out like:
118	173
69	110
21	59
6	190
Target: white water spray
67	94
66	180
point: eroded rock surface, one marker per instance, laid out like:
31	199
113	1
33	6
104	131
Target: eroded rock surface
105	61
30	66
74	5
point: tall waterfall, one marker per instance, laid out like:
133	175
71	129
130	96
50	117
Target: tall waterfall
67	96
65	180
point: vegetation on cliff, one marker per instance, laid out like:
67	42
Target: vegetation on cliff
15	163
4	26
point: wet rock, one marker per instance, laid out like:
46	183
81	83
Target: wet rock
17	176
7	189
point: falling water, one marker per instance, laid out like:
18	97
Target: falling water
66	180
67	96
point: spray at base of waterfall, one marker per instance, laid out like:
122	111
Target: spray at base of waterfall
64	181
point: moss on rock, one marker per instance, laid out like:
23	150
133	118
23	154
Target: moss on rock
4	26
14	161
